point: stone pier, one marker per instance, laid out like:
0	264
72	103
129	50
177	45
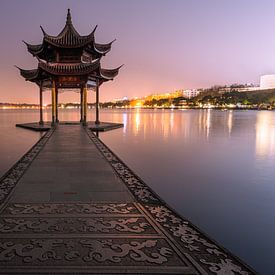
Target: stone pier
71	206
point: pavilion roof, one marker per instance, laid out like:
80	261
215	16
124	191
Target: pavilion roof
96	50
69	37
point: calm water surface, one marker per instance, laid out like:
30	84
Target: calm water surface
215	168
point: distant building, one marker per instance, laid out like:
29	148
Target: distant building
190	93
174	94
240	88
267	81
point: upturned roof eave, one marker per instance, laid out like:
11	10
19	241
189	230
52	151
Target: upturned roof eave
109	74
34	49
33	75
69	68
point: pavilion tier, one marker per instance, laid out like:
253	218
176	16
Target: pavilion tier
69	60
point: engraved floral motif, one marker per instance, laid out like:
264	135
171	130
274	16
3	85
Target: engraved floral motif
132	225
73	225
99	252
41	250
70	208
18	225
225	267
113	208
105	250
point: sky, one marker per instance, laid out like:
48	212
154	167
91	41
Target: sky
165	44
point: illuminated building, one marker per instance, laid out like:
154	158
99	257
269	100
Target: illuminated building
190	93
267	81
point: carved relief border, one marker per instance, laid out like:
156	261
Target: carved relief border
91	252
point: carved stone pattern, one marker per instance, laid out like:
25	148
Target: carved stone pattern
201	248
102	251
129	225
75	225
70	208
140	190
10	179
98	252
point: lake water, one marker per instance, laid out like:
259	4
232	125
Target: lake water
215	168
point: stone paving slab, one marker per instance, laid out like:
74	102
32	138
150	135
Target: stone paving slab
71	206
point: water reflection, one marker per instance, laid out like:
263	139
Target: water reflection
171	124
230	122
124	121
137	122
265	134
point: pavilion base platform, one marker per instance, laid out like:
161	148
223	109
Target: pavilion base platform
104	126
35	126
101	127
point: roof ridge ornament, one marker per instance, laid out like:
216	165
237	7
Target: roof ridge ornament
69	18
94	28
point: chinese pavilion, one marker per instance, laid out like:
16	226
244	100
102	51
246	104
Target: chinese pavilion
68	61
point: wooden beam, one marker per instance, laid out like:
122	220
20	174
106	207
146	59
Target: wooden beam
41	102
85	105
56	104
81	104
97	103
53	102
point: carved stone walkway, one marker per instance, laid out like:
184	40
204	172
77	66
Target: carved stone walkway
71	206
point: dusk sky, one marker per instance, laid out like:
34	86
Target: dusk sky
164	44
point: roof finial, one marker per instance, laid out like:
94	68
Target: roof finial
69	18
44	33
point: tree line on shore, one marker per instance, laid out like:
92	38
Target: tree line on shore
209	97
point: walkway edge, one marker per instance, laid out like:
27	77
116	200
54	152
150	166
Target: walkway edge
9	180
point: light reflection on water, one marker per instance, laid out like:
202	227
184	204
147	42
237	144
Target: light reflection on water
265	135
215	168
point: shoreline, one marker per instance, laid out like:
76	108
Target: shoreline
154	108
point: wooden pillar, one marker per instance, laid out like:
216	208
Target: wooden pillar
56	104
85	104
41	102
97	103
81	104
53	102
